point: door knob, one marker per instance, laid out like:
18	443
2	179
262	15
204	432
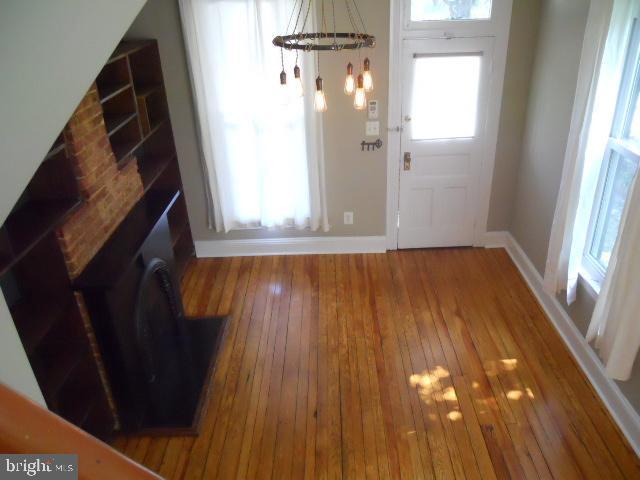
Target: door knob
407	118
407	160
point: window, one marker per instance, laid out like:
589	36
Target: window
619	167
429	10
444	96
260	142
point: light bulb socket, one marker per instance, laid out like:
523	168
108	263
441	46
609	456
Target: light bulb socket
367	64
319	84
283	78
296	71
349	68
360	81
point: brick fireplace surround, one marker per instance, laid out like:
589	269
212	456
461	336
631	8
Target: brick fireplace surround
109	194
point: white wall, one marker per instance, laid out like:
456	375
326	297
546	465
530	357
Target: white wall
50	52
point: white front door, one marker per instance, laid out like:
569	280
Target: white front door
444	115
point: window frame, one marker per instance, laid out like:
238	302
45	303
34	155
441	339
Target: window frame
500	12
592	270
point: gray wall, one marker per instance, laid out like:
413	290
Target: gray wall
523	35
548	117
551	96
50	53
355	181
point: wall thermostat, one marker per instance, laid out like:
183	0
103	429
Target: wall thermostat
372	109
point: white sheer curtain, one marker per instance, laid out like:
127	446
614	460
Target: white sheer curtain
601	67
262	148
615	325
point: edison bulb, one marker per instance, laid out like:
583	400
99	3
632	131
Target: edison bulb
366	74
360	98
349	83
368	81
298	88
319	101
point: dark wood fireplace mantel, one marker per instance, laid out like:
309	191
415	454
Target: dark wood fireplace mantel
125	245
159	363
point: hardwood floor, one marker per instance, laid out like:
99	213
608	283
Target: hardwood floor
412	364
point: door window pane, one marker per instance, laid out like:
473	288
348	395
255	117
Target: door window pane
425	10
620	175
444	97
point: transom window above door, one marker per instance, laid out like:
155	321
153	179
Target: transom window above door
439	10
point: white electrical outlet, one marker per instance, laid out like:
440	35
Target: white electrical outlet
348	218
373	129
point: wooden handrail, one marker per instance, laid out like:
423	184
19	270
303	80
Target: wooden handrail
26	427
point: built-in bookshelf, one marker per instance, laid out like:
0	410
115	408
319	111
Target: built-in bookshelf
33	274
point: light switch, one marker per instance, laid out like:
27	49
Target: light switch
372	109
373	129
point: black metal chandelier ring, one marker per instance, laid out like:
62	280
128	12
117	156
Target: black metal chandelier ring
298	41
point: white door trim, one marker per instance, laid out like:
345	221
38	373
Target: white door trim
498	28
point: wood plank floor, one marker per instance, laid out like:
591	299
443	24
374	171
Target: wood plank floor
412	364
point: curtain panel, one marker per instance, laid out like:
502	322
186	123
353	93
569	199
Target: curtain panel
261	146
599	75
615	324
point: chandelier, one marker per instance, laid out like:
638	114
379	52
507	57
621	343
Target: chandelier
297	38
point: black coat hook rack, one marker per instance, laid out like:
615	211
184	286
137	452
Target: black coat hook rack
371	145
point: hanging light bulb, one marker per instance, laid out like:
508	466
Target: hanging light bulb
360	99
349	83
297	82
319	101
368	79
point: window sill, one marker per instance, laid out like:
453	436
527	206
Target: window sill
590	284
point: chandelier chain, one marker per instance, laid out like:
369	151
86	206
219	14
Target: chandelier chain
351	19
333	12
295	3
364	28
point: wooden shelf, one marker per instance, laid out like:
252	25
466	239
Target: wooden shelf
66	362
31	223
124	154
35	319
110	91
146	90
127	48
55	150
115	122
79	409
152	167
181	231
183	249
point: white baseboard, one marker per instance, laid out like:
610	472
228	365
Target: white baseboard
621	410
290	246
496	239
